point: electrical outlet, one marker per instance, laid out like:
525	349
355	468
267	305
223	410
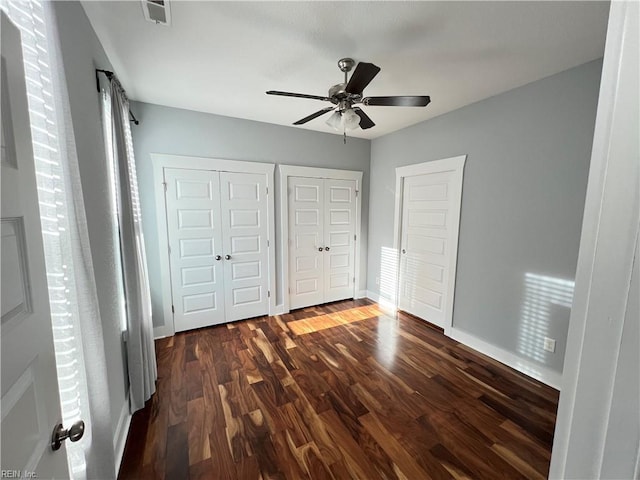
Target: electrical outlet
377	280
549	344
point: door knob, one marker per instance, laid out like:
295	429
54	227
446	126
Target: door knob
326	249
218	257
404	251
227	257
319	249
59	434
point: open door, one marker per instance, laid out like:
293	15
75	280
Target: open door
30	398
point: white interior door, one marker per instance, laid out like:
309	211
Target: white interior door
30	400
427	244
245	244
339	235
306	242
195	240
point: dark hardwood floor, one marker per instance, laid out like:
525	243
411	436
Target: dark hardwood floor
337	391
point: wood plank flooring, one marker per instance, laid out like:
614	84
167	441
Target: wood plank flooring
339	391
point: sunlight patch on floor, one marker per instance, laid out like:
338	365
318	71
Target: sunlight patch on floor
344	317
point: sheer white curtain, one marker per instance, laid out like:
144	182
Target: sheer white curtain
77	329
141	356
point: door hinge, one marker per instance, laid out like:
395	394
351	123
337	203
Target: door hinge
289	290
169	248
268	293
267	190
357	191
354	237
173	309
267	243
164	184
354	279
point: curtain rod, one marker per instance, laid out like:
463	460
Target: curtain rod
110	74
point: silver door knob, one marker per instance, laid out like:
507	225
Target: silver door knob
218	257
319	249
227	257
404	251
326	249
60	434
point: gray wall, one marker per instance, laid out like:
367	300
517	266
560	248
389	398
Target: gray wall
183	132
524	186
82	53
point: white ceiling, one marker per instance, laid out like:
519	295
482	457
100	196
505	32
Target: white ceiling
221	57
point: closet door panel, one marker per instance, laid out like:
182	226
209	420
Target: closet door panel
306	241
245	231
195	238
339	231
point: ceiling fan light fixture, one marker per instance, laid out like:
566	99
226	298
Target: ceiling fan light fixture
350	119
335	121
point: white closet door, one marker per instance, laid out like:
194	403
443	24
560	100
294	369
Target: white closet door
195	239
245	232
339	231
426	245
306	242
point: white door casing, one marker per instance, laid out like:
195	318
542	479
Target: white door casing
339	231
245	241
194	227
322	225
306	241
30	402
428	201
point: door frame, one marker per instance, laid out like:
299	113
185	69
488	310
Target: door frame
286	171
161	161
452	164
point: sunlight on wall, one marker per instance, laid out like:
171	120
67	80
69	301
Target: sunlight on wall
388	277
540	295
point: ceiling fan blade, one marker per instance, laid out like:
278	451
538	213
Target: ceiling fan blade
362	76
397	101
365	121
313	115
297	95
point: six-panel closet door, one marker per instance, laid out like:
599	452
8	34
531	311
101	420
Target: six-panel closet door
427	244
321	240
217	230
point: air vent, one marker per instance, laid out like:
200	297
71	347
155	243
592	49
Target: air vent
157	11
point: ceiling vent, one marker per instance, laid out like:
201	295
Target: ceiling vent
157	11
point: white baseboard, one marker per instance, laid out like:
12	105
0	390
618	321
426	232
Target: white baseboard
529	368
361	294
121	432
279	310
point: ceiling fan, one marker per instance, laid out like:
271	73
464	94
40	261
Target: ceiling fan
345	96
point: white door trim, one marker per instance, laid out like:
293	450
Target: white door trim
160	162
605	262
286	171
453	164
